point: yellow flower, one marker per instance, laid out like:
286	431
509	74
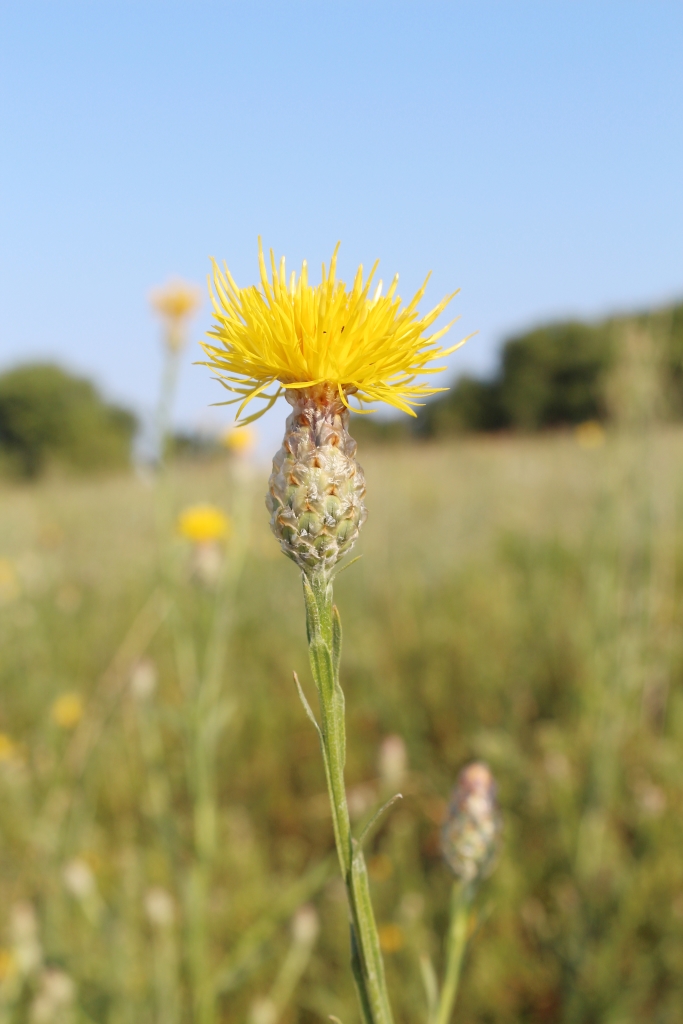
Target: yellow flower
240	440
8	964
176	300
391	938
590	434
203	523
9	582
7	748
67	710
297	335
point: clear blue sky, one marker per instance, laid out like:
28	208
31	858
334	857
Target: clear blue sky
529	153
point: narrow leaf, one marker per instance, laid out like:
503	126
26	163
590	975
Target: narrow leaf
362	839
369	941
359	978
307	706
336	641
348	564
313	629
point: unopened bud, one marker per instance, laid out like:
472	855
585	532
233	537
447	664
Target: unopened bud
159	907
393	762
143	679
469	839
305	925
316	488
79	879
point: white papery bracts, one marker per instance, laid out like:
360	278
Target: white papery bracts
316	488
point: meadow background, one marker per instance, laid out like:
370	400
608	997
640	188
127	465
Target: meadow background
165	843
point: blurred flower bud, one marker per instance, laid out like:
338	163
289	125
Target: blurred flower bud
79	879
143	679
206	564
55	995
159	907
263	1011
393	761
469	840
305	925
24	932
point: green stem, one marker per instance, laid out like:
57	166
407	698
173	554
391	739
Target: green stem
455	950
324	643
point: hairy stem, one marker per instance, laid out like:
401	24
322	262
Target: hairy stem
324	644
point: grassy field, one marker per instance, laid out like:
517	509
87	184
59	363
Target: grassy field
163	817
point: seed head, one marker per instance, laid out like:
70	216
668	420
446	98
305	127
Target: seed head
470	835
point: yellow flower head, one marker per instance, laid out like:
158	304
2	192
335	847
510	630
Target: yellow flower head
590	434
7	748
203	523
240	440
9	582
8	964
297	335
67	710
176	300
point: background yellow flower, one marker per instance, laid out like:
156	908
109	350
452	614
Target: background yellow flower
204	523
240	440
67	710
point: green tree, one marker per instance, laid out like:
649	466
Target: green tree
48	416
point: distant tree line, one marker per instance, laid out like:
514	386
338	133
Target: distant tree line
49	417
564	373
558	375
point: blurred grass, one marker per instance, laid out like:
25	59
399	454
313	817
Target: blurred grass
517	600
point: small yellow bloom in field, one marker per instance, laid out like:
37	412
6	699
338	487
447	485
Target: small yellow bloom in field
8	964
240	440
204	523
391	938
9	581
590	434
175	303
176	300
294	335
67	710
7	748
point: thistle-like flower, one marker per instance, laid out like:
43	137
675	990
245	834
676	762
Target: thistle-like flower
470	835
175	303
320	346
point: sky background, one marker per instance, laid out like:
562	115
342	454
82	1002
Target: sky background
529	153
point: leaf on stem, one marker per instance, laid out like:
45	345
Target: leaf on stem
343	567
369	941
336	640
312	614
376	816
307	706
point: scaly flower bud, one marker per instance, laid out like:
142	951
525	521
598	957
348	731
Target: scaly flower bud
469	840
316	489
